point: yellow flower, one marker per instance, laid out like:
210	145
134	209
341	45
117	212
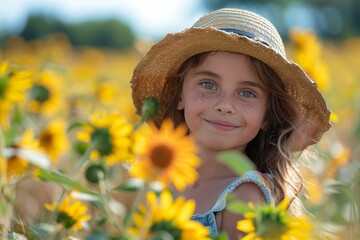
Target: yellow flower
340	156
308	54
109	134
46	94
21	154
3	166
13	87
164	214
313	188
16	166
70	213
53	139
166	155
105	93
273	223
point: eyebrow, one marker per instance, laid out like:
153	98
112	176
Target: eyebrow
207	73
246	83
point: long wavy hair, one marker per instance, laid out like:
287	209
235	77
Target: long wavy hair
268	150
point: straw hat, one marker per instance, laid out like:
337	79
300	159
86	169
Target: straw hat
232	30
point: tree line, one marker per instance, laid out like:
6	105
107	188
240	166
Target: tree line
106	33
332	19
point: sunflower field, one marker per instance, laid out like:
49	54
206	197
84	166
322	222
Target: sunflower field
76	162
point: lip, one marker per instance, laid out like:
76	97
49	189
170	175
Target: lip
222	125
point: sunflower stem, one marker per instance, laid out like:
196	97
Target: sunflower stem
140	194
139	124
82	161
105	203
61	199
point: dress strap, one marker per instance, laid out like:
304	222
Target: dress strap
264	181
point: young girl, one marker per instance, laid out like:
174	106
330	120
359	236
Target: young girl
227	77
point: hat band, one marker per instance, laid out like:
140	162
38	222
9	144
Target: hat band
246	34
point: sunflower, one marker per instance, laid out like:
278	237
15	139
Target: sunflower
164	214
340	157
166	155
70	213
3	166
104	93
13	87
109	136
273	223
46	94
19	156
53	139
16	166
308	54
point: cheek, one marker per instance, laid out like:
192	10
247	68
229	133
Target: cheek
196	98
189	97
195	105
254	111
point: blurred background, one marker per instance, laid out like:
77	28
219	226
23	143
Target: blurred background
83	20
90	48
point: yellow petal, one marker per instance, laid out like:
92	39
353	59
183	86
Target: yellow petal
245	225
250	236
283	205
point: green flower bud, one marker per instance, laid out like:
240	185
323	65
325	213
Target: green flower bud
95	172
150	108
39	93
101	138
80	147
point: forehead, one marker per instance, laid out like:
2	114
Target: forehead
233	56
226	63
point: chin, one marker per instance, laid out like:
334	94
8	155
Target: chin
220	146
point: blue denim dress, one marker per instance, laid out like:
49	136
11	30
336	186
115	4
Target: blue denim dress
260	179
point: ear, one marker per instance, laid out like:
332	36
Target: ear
180	105
264	124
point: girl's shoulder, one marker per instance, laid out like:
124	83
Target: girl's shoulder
261	181
259	178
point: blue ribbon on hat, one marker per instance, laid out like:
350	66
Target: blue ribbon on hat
246	34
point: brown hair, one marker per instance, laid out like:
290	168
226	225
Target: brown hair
268	149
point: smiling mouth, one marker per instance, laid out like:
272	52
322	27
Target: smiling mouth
222	125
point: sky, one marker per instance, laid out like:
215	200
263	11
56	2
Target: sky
148	18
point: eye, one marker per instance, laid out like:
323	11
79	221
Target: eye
208	85
247	94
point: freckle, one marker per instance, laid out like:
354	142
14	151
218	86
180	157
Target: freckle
200	97
248	108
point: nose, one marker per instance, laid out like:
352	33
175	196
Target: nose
225	104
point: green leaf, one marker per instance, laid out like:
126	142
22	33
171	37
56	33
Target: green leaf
52	176
98	236
237	161
221	236
43	230
132	185
161	235
3	208
15	236
76	124
238	207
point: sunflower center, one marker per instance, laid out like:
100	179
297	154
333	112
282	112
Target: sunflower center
65	220
162	156
167	226
39	93
46	139
102	140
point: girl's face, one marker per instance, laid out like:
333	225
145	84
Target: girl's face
224	102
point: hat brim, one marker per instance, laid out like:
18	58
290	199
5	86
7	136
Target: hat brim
166	57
